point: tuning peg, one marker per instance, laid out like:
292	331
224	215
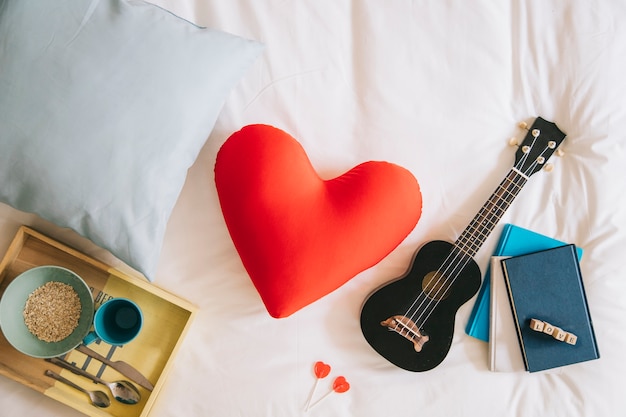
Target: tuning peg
513	141
548	167
559	152
523	125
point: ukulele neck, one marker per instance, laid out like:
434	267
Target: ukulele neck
490	214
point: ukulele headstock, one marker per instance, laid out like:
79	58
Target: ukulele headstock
541	141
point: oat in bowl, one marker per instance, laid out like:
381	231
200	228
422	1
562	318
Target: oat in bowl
46	311
52	311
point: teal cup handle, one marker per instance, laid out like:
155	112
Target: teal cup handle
90	338
116	322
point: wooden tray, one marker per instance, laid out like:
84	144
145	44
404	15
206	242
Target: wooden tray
166	320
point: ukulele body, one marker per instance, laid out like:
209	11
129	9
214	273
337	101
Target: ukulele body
395	299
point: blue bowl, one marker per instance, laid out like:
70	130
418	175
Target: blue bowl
13	303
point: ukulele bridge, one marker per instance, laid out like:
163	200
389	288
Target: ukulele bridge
405	327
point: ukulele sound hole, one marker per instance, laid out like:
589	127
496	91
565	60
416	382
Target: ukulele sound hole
436	286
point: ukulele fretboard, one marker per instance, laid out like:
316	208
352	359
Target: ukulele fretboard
490	214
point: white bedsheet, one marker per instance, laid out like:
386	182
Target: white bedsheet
437	87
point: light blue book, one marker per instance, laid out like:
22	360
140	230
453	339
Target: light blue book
514	241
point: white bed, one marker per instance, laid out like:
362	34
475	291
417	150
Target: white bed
438	88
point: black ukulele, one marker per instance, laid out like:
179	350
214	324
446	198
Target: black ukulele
410	321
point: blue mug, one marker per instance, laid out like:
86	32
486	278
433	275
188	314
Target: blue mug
116	322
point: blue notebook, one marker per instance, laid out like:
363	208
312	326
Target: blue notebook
514	241
547	286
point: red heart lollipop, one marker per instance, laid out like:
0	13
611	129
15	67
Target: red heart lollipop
321	369
340	385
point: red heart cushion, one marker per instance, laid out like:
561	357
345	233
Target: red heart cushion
299	236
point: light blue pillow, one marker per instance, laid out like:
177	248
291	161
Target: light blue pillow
104	105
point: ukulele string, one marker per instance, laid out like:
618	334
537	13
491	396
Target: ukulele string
440	276
462	258
454	259
454	264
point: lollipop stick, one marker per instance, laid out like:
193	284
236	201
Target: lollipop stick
317	402
308	401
